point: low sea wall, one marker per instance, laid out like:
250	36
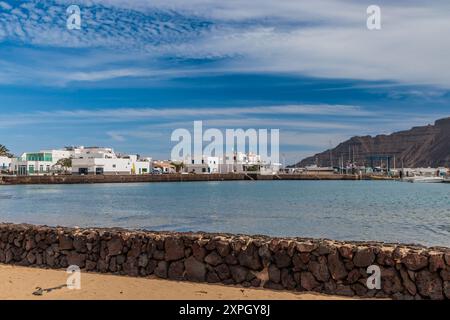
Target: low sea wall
326	266
77	179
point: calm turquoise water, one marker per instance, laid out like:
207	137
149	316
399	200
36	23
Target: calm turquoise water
347	210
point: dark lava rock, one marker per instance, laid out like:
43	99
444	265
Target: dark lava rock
195	270
115	246
176	270
274	274
238	273
65	242
336	266
213	259
161	269
282	259
250	258
174	249
320	269
223	271
364	257
414	261
308	281
429	285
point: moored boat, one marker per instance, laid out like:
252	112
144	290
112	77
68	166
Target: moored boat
424	179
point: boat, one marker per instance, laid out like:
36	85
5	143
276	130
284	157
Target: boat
424	179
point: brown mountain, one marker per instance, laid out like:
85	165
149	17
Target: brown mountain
427	146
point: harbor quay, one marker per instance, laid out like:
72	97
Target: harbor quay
175	177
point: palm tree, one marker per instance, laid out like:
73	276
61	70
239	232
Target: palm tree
64	163
4	152
178	166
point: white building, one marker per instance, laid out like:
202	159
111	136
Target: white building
89	160
94	160
38	163
237	162
5	164
213	164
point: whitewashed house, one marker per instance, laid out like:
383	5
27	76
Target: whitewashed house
237	162
37	163
213	164
94	160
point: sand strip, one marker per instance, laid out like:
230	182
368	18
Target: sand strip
20	283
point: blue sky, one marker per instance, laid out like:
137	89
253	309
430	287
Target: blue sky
139	69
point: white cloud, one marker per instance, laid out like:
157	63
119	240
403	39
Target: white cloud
320	39
123	114
5	6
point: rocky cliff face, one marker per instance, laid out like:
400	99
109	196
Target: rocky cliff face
427	146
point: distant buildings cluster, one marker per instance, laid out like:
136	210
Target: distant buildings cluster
237	162
76	160
104	161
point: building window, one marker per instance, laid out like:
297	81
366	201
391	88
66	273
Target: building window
41	168
31	169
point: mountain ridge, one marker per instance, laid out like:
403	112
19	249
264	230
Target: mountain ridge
420	146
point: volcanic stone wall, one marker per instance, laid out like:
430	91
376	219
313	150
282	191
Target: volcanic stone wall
332	267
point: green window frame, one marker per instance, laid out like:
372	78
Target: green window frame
39	157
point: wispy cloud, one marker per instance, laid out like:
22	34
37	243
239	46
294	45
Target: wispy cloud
319	39
150	113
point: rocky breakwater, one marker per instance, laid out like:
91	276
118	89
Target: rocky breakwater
407	272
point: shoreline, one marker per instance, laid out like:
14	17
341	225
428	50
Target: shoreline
89	179
20	283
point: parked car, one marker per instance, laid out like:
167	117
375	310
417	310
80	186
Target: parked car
156	171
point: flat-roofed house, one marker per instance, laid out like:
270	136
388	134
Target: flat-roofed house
95	160
38	163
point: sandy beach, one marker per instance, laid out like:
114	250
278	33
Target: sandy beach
20	283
